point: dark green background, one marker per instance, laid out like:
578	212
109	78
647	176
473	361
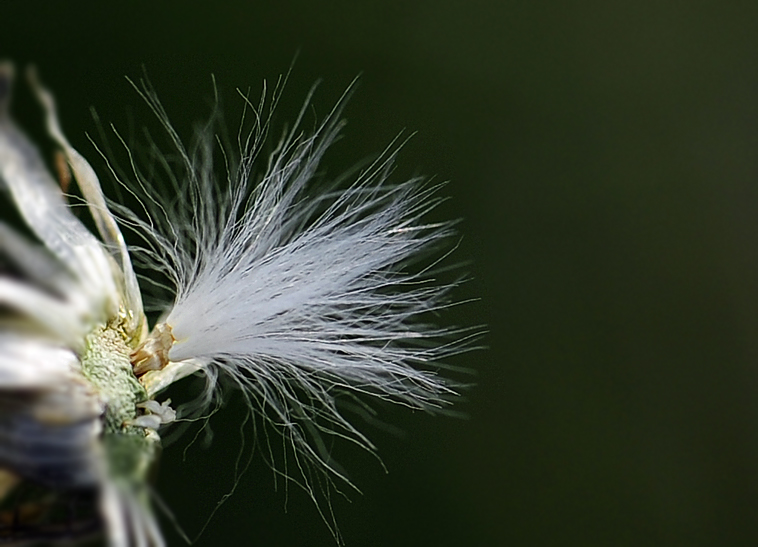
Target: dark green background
603	157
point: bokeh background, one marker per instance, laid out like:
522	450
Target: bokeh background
603	158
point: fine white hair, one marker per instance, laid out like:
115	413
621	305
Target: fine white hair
298	290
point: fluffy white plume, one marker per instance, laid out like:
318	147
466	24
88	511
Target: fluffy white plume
298	292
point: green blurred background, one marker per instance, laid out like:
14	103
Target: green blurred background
603	158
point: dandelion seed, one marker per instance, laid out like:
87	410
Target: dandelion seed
294	299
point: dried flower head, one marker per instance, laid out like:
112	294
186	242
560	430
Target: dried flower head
295	298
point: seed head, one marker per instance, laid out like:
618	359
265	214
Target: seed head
296	293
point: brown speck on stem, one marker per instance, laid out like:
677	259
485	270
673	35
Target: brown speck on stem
62	170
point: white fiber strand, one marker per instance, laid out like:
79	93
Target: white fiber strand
296	293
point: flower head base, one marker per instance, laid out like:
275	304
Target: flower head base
292	298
